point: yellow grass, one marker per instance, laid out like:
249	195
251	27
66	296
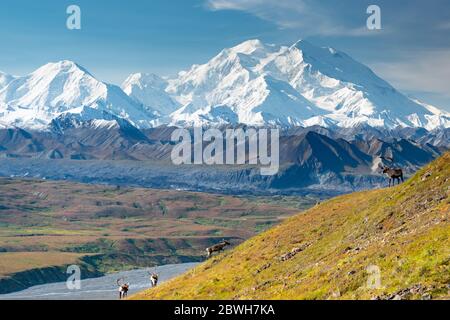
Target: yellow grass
402	231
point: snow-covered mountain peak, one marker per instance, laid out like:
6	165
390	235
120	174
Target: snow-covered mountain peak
61	66
64	71
327	85
143	80
248	47
327	61
32	101
61	85
149	89
317	52
248	55
251	83
303	45
350	91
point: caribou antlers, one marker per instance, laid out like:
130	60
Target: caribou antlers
123	288
217	247
153	278
392	173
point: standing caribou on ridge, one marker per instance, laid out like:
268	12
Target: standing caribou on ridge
217	247
392	173
123	289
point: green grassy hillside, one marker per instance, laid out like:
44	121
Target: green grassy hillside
336	249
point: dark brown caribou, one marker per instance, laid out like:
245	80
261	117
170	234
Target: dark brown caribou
393	174
217	247
123	289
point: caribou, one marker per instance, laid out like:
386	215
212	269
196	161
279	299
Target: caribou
393	174
123	289
217	247
153	278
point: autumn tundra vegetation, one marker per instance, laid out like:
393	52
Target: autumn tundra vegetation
390	243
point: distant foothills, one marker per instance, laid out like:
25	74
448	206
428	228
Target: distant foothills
339	122
312	160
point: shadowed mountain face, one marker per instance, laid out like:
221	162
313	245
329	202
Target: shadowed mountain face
312	158
322	152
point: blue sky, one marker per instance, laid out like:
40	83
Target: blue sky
412	51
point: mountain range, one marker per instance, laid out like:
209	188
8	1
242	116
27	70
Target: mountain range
62	88
252	83
312	160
